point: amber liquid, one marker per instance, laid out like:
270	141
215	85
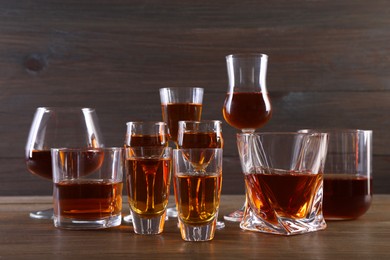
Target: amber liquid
200	140
172	113
148	185
39	162
247	110
346	196
86	199
147	140
200	159
197	198
287	194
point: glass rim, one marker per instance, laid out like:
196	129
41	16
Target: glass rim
181	88
247	55
196	149
146	122
291	133
334	130
83	149
148	148
64	108
200	121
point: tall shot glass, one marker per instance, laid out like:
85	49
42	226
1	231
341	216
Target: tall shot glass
87	191
148	178
197	191
283	177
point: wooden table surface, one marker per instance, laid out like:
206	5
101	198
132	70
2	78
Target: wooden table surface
24	238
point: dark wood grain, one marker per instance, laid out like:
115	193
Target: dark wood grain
329	64
364	238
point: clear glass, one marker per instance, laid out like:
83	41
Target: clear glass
87	187
148	172
145	134
284	179
180	103
197	192
348	173
201	134
55	127
247	106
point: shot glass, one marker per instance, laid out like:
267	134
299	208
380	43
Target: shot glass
197	191
88	186
347	174
180	104
283	177
148	172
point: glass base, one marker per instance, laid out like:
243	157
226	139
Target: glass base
220	225
42	214
71	223
128	218
172	212
235	216
283	226
148	226
197	233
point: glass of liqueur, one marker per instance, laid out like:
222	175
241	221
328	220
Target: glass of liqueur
284	179
347	174
179	104
201	134
247	106
148	172
197	191
145	134
87	187
55	127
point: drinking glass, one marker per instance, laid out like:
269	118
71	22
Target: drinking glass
247	106
145	134
200	134
180	104
87	187
148	172
284	181
347	174
55	127
197	193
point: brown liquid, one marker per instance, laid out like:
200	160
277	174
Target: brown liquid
172	113
147	140
288	195
201	140
346	196
247	110
81	164
197	198
87	199
148	185
39	163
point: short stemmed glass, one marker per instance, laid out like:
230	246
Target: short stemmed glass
200	134
179	104
247	106
59	127
145	134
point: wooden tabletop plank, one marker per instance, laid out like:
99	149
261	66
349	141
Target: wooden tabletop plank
20	236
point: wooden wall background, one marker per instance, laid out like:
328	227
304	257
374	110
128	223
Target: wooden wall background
329	66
